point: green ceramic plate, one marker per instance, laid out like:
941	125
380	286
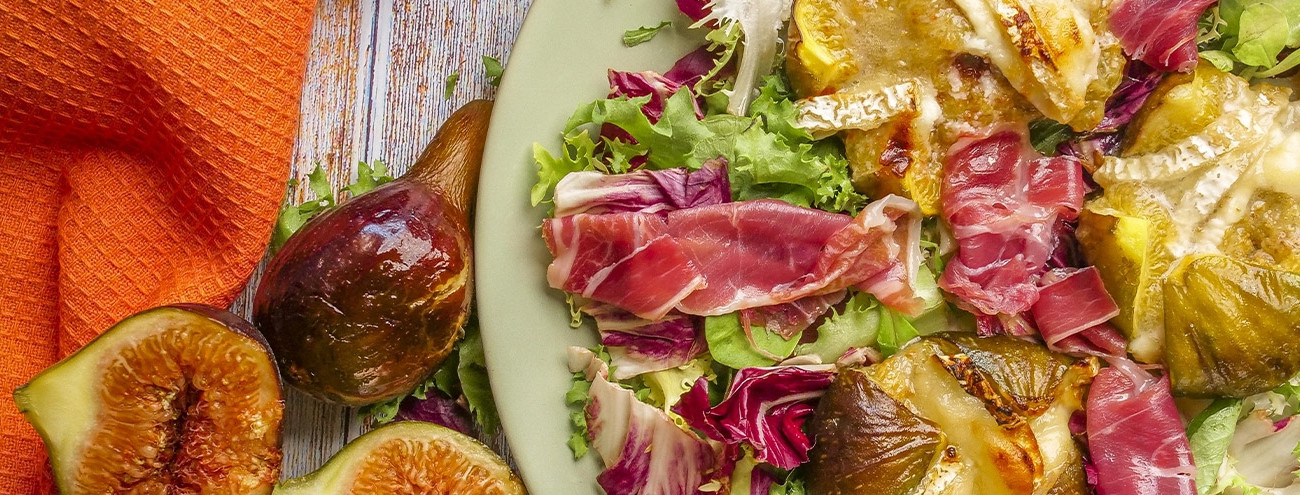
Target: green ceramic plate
559	62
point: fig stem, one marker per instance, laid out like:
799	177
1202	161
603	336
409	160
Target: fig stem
451	161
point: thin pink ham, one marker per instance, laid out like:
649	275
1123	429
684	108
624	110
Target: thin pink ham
1135	435
1003	201
625	259
1071	301
768	252
788	319
717	259
1161	33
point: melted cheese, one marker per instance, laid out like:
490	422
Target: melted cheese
1047	49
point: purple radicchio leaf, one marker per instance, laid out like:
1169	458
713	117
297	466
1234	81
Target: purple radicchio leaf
694	9
765	407
438	409
644	452
644	191
1139	82
637	346
692	67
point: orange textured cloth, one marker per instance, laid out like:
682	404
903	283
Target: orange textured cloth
144	147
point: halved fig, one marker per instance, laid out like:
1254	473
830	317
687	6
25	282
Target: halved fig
176	399
410	457
867	442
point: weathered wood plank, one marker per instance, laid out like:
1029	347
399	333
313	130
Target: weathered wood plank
332	132
374	90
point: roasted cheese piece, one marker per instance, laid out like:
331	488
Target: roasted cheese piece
1195	233
953	414
901	80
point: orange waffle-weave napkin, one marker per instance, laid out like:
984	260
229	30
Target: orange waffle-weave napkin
144	146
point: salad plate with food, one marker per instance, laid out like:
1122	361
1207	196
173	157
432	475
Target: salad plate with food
897	247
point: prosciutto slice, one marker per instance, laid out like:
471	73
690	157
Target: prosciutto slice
625	259
722	258
1071	301
1161	33
790	318
1003	201
1135	435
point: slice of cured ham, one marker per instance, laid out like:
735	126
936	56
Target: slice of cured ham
718	259
625	259
1161	33
1135	435
1072	301
1003	201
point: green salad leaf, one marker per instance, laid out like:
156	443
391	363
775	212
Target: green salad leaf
855	326
449	87
666	387
493	70
472	371
768	156
1046	134
1210	432
576	399
634	37
730	346
1248	37
791	486
292	217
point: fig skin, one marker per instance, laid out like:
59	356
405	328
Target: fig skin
78	406
367	299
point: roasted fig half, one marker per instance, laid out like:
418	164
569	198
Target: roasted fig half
177	399
867	442
365	301
410	457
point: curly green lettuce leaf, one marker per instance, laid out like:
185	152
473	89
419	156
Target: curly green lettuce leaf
493	70
767	155
292	217
575	156
666	387
576	399
472	372
634	37
449	87
854	326
792	486
761	24
1248	37
1210	433
731	345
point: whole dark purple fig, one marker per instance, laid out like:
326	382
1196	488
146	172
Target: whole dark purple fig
367	299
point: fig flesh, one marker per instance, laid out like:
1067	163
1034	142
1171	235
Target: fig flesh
367	299
410	457
177	399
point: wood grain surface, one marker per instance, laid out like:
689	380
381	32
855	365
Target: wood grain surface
374	90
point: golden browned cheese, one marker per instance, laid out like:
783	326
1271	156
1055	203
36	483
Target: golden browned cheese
956	78
952	415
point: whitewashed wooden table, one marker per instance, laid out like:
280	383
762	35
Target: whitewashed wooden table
374	90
